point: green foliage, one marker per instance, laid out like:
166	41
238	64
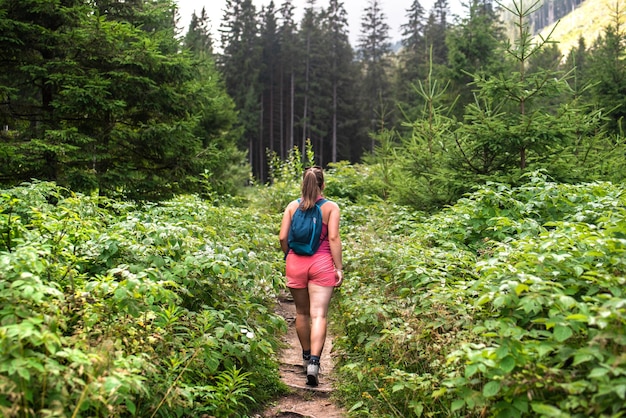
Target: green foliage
355	182
524	116
115	309
285	178
425	177
508	304
103	100
607	69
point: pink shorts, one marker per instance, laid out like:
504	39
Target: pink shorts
303	269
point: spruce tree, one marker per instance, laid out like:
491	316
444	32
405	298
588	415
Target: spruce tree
240	64
269	78
529	118
198	37
524	119
289	54
99	104
435	32
607	71
374	49
577	65
474	47
315	83
342	74
412	58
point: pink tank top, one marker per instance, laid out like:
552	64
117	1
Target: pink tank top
324	243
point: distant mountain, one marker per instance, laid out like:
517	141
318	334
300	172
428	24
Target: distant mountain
550	12
589	20
570	19
545	13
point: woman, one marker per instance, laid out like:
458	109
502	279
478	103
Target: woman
311	279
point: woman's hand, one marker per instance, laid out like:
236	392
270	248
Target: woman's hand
339	276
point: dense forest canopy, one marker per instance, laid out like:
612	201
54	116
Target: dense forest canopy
103	96
109	97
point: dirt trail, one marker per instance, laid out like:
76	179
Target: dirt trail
303	401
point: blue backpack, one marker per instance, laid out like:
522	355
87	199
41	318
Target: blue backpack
306	229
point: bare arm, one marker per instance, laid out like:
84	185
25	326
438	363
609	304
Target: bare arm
335	242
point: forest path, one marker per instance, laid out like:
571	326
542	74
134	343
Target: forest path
302	401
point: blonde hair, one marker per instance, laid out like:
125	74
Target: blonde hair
312	183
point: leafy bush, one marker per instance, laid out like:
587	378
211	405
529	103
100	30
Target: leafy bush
354	181
508	304
115	309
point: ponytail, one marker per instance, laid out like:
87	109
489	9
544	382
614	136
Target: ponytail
312	182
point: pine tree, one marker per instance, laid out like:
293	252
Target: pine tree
101	104
198	37
240	64
577	63
289	53
474	47
374	48
341	73
607	71
315	82
412	58
269	79
529	117
435	32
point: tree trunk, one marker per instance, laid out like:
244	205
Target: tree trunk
306	92
334	128
271	110
281	110
292	111
261	149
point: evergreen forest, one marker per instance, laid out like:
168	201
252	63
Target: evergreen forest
144	169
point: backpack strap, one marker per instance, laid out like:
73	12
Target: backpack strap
319	204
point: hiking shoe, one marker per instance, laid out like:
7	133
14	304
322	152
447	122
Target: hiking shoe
305	364
312	371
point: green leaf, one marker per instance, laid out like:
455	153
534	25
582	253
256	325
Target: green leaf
598	372
548	410
491	389
457	404
111	384
24	373
418	408
520	288
543	349
562	333
507	364
356	406
437	393
470	370
131	406
577	317
521	404
581	358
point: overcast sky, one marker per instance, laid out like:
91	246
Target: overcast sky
395	11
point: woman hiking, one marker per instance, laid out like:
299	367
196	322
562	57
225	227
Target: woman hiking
312	278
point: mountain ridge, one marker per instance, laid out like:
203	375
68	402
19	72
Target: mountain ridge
588	20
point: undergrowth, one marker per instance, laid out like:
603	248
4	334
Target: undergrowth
508	304
113	309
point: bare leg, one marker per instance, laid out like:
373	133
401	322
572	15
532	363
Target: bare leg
319	299
303	316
